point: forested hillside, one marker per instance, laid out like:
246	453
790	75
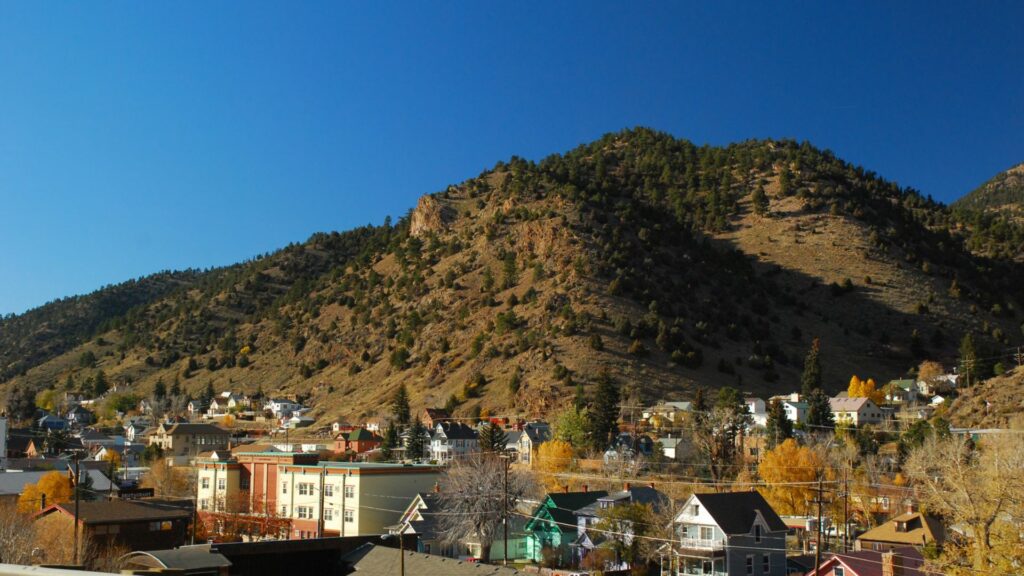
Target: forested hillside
638	257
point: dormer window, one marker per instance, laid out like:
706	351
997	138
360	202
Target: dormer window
901	526
757	532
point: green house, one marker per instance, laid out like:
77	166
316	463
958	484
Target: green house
553	524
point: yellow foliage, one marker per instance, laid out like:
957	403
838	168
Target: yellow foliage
865	389
853	390
56	487
554	456
114	457
228	421
245	351
787	464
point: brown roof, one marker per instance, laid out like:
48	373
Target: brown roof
198	428
241	449
122	511
918	529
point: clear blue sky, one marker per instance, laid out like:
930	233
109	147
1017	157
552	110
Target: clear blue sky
140	136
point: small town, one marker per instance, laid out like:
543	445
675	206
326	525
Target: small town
436	288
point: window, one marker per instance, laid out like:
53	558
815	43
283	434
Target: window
707	567
350	491
303	512
707	533
204	504
328	514
284	510
839	571
284	487
305	489
766	563
757	532
221	483
206	483
750	563
328	490
695	510
349	516
159	526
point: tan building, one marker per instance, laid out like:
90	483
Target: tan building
855	411
358	498
182	443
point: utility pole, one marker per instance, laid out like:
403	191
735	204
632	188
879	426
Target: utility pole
343	487
1020	356
504	506
846	511
320	520
78	492
819	501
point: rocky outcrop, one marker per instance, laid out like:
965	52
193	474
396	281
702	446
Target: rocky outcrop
430	215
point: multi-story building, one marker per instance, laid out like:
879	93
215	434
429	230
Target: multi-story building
855	411
182	443
349	498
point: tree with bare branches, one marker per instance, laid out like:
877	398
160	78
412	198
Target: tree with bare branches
474	500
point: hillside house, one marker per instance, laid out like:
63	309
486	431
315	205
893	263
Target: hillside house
903	561
533	435
452	440
909	529
730	534
432	416
359	440
134	524
855	411
589	515
282	407
757	409
182	443
553	525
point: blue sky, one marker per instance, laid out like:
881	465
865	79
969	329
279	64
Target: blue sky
141	136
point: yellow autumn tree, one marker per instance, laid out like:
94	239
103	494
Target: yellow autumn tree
554	456
865	389
854	389
56	487
789	472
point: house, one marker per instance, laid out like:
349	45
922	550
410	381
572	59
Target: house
796	411
731	534
667	413
339	426
553	525
757	409
145	406
12	484
135	524
297	420
909	529
901	391
512	438
431	416
51	422
196	408
855	411
673	448
533	435
359	440
452	440
591	514
182	443
130	455
421	518
135	429
282	407
79	416
904	561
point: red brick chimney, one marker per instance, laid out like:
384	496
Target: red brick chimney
627	487
565	489
892	565
584	488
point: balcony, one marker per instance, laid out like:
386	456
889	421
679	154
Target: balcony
701	544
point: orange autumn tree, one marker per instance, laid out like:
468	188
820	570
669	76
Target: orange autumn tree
790	471
56	487
554	456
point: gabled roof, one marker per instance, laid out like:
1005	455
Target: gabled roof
198	428
362	435
456	431
120	511
918	529
869	562
561	508
372	560
735	512
537	432
847	404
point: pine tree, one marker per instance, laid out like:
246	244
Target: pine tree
778	426
159	390
492	438
580	401
760	200
176	387
416	448
969	358
819	411
604	416
208	394
389	442
400	406
699	407
811	378
99	384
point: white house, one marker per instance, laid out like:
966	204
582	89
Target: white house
855	411
730	534
757	409
451	440
795	411
282	408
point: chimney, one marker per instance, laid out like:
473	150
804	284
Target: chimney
892	565
565	489
910	508
626	487
584	488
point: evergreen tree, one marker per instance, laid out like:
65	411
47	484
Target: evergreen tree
176	388
699	407
400	406
969	359
580	401
509	272
159	390
492	438
416	447
811	378
208	394
389	442
778	427
819	412
604	416
760	201
100	384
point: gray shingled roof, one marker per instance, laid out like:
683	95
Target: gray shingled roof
734	512
372	560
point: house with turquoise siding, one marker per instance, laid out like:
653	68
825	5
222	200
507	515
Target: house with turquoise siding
553	524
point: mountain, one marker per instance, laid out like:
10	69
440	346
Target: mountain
639	257
994	212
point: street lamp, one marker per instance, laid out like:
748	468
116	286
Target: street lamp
401	550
